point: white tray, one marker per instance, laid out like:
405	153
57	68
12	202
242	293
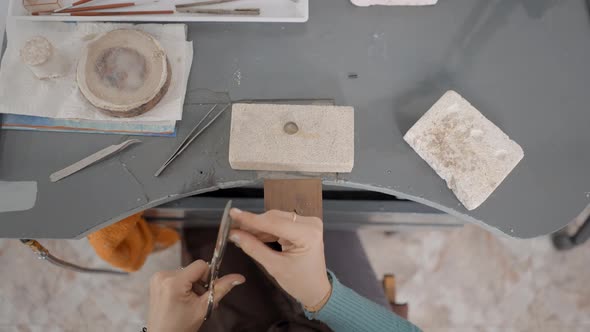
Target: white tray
271	11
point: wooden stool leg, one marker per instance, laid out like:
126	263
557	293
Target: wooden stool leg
302	196
389	286
185	256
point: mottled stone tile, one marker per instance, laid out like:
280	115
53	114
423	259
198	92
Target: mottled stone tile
36	296
469	278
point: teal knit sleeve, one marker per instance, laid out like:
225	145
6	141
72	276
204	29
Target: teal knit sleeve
347	311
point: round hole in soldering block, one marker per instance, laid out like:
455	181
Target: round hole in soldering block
291	128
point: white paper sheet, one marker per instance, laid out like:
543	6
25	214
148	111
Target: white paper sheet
3	14
22	93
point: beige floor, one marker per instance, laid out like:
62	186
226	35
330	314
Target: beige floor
468	280
457	280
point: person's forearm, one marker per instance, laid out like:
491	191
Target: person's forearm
348	311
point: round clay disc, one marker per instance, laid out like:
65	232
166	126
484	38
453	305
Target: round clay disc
36	51
124	72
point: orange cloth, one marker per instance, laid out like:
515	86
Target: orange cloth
127	243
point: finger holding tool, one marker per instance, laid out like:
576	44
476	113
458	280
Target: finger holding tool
220	245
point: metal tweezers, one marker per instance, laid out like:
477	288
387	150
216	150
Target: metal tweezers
192	136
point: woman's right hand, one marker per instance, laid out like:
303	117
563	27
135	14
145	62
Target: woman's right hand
300	269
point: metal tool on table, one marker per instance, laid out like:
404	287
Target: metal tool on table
124	13
192	136
220	245
238	11
75	9
77	3
203	3
43	253
92	159
216	11
189	8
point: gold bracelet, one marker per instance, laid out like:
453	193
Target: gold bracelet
322	303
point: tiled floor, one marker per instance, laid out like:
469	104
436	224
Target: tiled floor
455	280
36	296
470	280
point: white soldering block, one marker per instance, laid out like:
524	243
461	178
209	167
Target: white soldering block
297	138
464	148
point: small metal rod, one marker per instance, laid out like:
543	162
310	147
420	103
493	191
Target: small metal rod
91	160
204	3
239	11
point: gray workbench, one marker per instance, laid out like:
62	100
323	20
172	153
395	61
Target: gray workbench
525	65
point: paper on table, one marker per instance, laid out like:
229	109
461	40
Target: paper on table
22	93
3	13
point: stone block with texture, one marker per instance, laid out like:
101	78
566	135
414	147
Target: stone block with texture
298	138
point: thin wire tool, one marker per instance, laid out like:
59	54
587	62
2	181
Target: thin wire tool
43	253
239	11
204	3
192	136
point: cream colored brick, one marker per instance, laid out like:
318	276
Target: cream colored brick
324	141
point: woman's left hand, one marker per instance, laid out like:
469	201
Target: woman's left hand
174	306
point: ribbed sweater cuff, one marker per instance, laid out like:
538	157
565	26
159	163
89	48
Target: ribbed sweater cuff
348	311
